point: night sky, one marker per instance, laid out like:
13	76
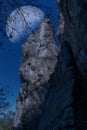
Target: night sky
11	53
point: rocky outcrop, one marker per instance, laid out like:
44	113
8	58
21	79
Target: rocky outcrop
74	13
75	37
64	104
40	58
70	82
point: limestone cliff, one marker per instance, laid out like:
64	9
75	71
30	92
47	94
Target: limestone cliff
40	58
62	101
74	37
69	112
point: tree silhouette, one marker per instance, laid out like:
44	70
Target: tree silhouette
6	115
4	104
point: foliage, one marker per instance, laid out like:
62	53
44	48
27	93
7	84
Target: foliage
6	116
6	125
4	104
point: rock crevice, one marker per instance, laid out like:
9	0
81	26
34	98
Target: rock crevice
58	100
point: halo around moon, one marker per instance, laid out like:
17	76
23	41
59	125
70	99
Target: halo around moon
22	22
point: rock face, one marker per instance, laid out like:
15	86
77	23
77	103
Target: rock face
74	37
64	102
66	105
40	58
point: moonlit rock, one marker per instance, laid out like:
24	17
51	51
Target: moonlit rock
22	22
39	62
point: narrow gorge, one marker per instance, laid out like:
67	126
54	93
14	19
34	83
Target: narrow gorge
54	78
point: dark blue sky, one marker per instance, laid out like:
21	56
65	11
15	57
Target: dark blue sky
11	54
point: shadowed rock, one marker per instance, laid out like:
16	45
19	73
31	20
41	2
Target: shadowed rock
74	36
64	102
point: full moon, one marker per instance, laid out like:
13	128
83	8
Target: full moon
22	22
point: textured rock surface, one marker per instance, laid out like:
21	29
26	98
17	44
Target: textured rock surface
58	111
40	58
65	107
74	13
75	37
69	112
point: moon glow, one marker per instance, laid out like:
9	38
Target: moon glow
22	22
